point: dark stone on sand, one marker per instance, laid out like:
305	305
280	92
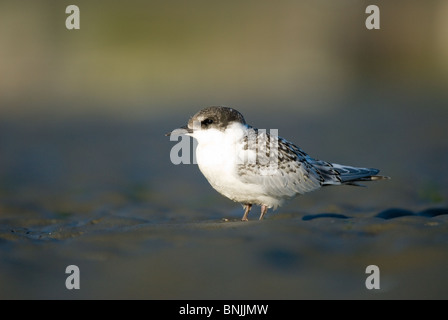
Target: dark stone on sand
397	212
433	212
394	213
324	215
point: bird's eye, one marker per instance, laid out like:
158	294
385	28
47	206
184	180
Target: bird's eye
207	122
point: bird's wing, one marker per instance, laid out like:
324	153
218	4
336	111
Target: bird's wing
334	173
282	168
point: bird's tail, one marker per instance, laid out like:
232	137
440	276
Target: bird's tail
334	174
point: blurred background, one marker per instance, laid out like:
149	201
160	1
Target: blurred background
151	58
83	114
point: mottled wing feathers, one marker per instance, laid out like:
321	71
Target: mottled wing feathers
280	167
284	170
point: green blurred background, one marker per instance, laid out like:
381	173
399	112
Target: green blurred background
147	58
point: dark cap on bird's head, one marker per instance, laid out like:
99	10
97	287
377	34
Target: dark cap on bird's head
217	117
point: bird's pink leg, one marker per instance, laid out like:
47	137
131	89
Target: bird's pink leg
264	209
246	211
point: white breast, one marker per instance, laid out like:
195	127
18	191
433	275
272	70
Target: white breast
218	154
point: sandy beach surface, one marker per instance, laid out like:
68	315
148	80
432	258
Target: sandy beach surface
103	195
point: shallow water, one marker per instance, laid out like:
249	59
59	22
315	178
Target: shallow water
104	196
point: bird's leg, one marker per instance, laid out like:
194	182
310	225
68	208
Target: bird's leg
247	208
264	209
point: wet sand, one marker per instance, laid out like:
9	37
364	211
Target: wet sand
283	257
104	196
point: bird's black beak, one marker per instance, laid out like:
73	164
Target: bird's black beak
180	131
